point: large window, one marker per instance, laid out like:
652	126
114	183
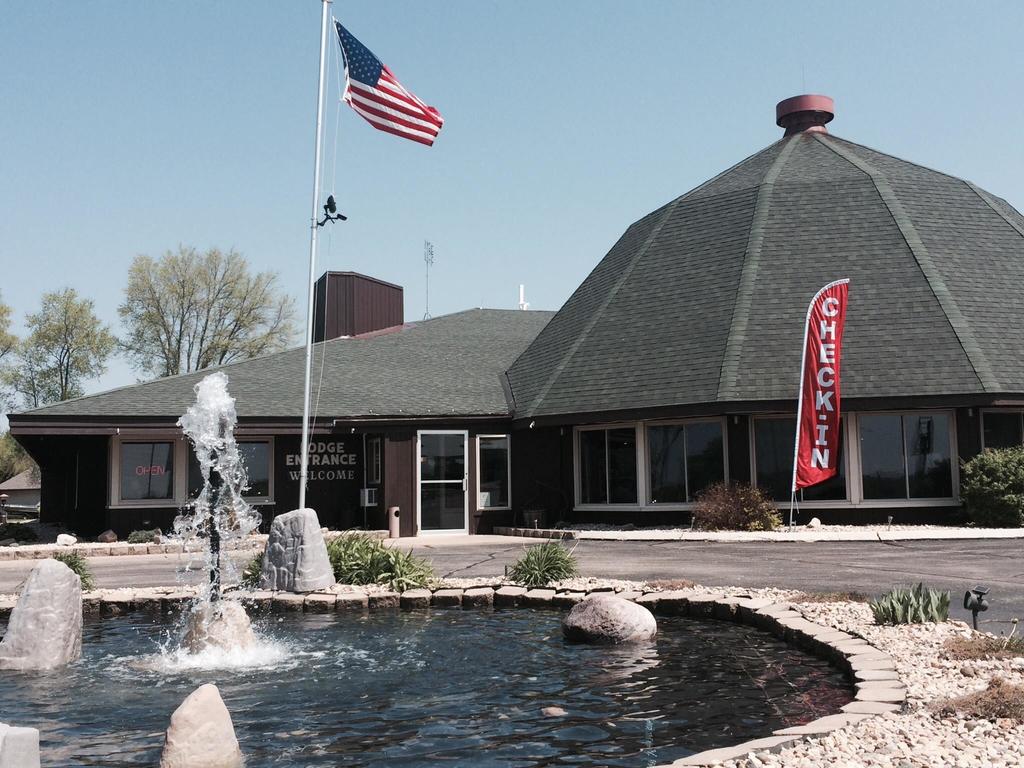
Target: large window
905	456
255	456
607	460
146	471
1002	429
773	466
493	469
684	460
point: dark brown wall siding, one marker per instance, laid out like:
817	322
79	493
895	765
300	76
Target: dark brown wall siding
400	477
738	434
348	304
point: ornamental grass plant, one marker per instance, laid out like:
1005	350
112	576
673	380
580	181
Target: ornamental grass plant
918	605
358	558
544	563
252	571
80	566
735	507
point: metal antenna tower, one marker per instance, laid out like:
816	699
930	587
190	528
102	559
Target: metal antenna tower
428	260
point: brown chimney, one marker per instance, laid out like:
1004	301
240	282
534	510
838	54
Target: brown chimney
350	304
809	112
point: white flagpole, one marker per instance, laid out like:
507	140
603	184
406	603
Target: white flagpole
304	462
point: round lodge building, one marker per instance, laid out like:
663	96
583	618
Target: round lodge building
674	365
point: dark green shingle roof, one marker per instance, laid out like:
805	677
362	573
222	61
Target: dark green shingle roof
703	300
450	365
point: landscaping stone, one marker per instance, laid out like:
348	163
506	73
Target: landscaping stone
509	596
870	707
607	619
567	599
117	604
447	598
413	599
201	734
45	628
478	597
296	555
553	712
351	601
539	597
891	695
718	756
19	747
674	603
320	602
107	537
66	540
825	724
702	606
224	625
286	602
378	601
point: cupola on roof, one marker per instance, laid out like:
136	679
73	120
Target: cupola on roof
702	301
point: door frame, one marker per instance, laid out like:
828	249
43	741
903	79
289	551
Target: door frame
419	482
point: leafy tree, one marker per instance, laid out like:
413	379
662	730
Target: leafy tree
186	311
8	342
13	459
66	345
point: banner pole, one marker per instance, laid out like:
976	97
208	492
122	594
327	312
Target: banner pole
799	409
304	460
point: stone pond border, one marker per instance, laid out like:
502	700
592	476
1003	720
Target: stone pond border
878	689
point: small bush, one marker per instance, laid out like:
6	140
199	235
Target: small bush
911	606
252	572
992	488
361	559
1000	700
78	564
984	647
143	537
735	507
542	564
20	532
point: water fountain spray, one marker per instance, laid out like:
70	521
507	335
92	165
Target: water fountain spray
219	514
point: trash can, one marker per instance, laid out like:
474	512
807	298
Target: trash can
394	522
533	518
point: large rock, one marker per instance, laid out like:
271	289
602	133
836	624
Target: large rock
223	624
19	747
296	557
45	628
66	540
604	618
201	734
107	537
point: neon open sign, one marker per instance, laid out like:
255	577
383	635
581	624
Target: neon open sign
156	469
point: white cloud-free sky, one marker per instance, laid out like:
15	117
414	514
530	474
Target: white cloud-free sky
131	127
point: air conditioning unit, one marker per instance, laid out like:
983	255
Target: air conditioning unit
368	497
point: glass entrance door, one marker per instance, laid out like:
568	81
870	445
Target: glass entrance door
442	478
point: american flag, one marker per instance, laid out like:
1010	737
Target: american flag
375	93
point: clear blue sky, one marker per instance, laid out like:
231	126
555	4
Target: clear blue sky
130	127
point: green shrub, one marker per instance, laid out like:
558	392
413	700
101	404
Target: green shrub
542	564
361	559
143	537
735	507
252	572
78	564
992	488
911	606
20	532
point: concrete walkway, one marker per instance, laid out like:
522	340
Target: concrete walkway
801	533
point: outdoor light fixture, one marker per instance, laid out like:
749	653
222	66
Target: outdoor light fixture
330	207
975	602
3	508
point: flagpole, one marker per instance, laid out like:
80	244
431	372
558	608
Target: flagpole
304	461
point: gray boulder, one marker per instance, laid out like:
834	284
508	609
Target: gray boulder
296	557
107	537
19	747
45	628
604	618
201	734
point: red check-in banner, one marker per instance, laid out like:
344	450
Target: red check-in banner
817	438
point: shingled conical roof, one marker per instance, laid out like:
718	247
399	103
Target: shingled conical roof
703	300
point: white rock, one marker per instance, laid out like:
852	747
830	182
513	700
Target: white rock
19	747
201	734
223	624
604	618
66	540
814	523
45	628
296	557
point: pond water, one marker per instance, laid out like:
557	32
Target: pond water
424	688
